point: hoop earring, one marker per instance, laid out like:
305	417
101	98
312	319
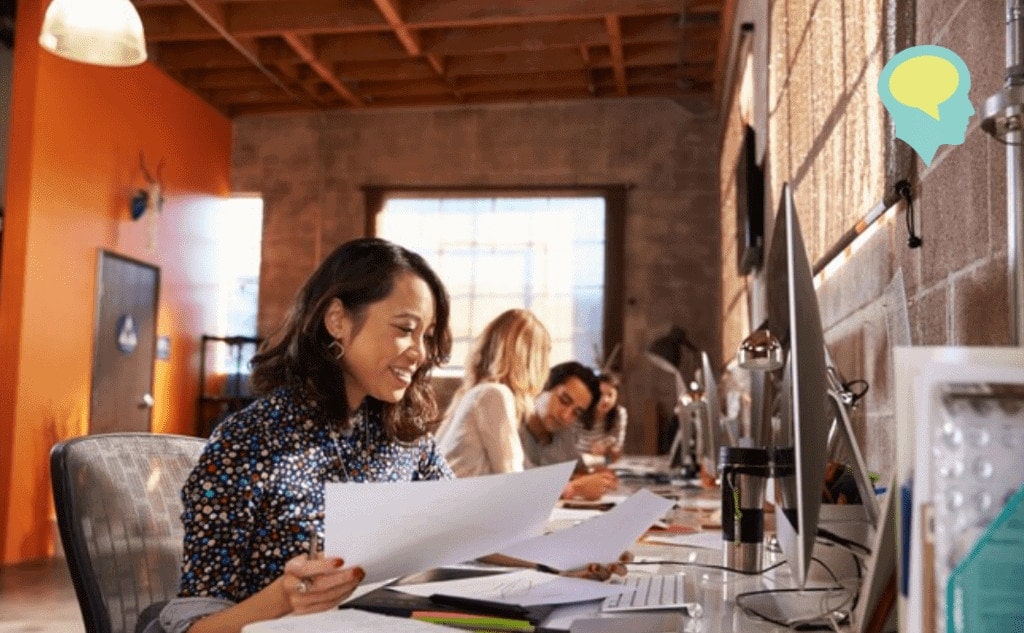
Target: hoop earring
336	349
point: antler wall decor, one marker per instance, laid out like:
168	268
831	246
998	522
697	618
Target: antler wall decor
150	198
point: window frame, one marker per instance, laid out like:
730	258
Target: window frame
614	233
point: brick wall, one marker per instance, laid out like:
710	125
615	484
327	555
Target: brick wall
310	169
829	137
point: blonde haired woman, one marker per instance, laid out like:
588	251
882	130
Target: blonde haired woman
504	373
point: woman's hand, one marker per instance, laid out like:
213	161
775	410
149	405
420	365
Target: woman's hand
601	571
318	584
591	486
613	453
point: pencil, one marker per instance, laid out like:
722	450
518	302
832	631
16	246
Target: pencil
314	543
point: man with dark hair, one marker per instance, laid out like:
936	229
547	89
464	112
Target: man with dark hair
549	433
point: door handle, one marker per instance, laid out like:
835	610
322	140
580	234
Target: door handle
147	401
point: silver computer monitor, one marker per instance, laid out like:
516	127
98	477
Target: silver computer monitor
710	436
806	414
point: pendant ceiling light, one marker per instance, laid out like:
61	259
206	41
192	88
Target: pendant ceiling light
101	32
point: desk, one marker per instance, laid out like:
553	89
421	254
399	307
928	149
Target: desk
715	590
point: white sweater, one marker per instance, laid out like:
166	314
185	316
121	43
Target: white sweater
481	437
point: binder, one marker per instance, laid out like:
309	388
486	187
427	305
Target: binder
389	602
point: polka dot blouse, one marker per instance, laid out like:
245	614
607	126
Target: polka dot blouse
259	486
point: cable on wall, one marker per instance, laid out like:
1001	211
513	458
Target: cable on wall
904	191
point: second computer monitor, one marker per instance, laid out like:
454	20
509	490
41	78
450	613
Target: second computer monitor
805	409
710	433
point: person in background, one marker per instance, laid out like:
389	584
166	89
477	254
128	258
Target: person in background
344	397
505	371
604	431
549	434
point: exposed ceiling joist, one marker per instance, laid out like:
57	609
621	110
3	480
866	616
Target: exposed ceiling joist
251	56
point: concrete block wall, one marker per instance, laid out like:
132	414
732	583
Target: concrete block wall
828	137
310	168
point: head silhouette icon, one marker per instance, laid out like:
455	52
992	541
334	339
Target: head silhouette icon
925	89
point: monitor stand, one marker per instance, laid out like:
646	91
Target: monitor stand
681	458
864	485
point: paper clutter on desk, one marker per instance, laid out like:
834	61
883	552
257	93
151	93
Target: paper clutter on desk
601	539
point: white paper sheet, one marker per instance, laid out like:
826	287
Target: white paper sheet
342	621
601	539
396	528
525	588
570	516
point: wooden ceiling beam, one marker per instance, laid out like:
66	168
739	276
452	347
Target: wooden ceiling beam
500	39
224	78
323	54
417	101
252	109
304	48
665	29
408	39
611	23
539	81
267	17
656	55
388	89
517	96
462	13
360	47
214	15
397	70
305	17
249	95
512	63
175	56
174	24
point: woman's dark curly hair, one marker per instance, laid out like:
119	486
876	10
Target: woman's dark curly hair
358	273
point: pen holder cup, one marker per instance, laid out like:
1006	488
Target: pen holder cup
744	472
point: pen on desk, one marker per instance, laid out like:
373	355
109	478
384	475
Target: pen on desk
500	609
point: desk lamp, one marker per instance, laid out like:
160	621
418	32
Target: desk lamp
760	351
666	353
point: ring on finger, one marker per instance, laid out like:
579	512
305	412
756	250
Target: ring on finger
302	586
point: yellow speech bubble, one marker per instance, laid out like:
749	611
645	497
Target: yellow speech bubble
924	82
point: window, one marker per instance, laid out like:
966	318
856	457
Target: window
546	254
239	222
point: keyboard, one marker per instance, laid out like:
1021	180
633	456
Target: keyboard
659	591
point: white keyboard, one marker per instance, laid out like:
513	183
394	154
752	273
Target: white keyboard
659	591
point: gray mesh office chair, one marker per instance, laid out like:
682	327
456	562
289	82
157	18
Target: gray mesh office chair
119	514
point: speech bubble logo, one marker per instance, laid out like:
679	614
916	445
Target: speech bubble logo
924	82
925	89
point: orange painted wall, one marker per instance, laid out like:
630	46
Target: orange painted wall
75	137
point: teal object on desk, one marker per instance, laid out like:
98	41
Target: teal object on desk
985	593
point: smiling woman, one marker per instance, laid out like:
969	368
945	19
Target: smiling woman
344	396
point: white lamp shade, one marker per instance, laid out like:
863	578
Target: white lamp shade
101	32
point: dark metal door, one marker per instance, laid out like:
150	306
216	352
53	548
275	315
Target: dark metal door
124	344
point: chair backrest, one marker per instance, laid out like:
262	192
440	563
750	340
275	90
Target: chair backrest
118	503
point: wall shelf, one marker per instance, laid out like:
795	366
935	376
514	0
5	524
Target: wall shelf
223	378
